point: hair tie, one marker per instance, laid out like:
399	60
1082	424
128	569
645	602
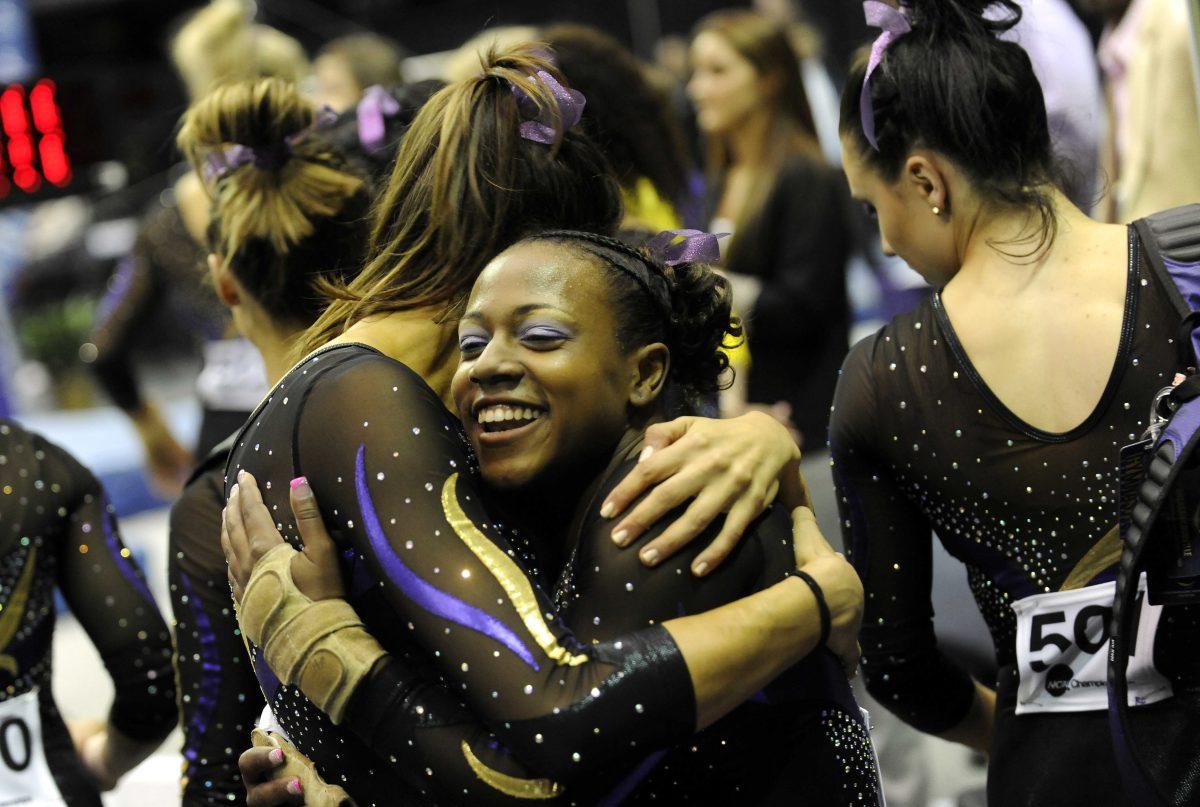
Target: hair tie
822	606
894	24
376	106
538	124
219	164
692	246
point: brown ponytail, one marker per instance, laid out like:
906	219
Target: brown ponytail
287	224
466	185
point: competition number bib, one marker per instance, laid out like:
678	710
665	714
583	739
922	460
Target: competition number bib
267	722
1062	651
25	778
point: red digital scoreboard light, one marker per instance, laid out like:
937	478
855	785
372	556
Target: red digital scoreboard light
32	141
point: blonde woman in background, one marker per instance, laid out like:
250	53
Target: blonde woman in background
217	44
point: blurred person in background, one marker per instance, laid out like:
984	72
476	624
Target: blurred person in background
60	531
1064	62
1152	154
311	225
631	122
217	44
787	211
819	90
346	66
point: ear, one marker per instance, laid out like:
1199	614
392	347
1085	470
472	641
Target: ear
223	280
649	366
924	176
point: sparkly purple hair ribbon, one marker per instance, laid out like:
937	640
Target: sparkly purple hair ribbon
423	593
894	24
376	106
267	158
686	246
538	124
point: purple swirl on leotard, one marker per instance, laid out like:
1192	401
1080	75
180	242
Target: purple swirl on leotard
630	782
210	665
124	563
423	593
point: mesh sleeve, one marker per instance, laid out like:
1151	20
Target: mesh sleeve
890	543
108	594
219	697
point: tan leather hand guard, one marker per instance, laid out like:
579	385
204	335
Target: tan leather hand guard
321	647
317	793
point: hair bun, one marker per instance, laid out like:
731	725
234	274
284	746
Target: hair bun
959	17
702	318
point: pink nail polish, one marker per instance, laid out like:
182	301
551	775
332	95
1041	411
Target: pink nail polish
298	481
277	756
293	787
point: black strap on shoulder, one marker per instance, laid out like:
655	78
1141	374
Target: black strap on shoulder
1175	235
1169	236
1139	785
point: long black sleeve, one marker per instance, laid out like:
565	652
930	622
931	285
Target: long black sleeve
219	697
436	580
108	594
393	475
890	544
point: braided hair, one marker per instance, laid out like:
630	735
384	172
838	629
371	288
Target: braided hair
686	306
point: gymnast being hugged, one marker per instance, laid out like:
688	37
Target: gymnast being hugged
570	346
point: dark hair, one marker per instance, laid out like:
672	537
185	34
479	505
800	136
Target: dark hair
695	327
372	59
283	228
627	116
344	134
466	186
950	85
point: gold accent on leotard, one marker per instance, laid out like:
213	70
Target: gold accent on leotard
507	574
14	611
511	785
1104	553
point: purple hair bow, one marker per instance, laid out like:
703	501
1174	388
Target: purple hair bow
894	24
538	124
266	158
693	246
376	106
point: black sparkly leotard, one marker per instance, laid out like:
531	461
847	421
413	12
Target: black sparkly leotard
219	698
921	445
57	529
801	741
438	583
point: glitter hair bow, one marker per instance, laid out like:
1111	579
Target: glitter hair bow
376	106
538	123
893	24
267	158
686	246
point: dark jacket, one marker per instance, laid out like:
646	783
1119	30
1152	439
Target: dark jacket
799	329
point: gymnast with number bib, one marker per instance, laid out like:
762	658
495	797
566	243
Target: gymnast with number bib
995	413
